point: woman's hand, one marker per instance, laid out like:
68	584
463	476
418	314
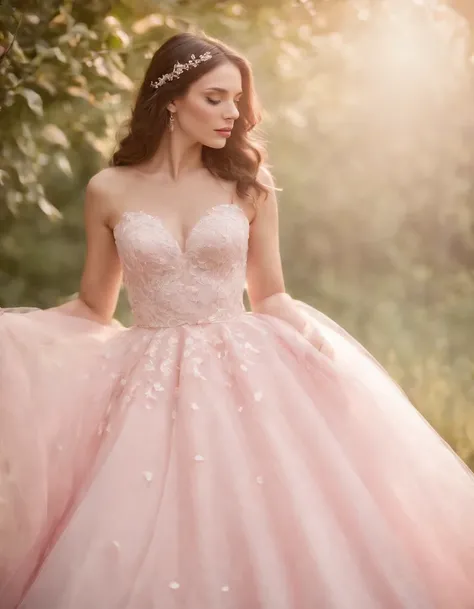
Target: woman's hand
317	340
281	305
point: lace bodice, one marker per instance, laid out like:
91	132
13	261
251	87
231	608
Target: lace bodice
203	282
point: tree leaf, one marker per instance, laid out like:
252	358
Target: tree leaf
118	40
79	92
33	99
63	163
49	209
54	135
142	26
117	77
43	81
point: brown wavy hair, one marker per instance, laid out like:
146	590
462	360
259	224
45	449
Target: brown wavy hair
243	153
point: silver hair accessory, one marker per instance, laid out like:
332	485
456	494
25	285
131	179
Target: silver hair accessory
179	68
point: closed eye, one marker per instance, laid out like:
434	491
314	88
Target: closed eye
214	102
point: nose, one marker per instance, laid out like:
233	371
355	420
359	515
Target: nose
232	112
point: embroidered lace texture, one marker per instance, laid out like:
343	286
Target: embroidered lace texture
169	287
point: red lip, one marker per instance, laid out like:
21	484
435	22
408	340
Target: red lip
225	132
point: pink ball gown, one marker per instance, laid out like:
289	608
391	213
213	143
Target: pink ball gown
211	458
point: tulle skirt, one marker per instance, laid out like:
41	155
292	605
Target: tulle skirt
226	465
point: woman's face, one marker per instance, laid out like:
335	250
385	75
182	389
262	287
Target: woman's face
210	104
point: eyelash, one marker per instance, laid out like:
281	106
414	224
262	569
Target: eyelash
214	102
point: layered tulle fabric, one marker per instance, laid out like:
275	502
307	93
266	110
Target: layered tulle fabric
225	465
212	458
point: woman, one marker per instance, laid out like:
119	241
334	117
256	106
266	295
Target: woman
209	457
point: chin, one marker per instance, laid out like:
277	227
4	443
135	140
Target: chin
216	143
215	140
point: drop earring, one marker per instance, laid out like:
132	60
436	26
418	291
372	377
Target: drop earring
171	122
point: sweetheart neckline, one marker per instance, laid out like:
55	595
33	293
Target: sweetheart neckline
183	250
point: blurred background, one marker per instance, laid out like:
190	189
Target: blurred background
369	119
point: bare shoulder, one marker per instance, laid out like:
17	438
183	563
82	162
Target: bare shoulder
264	175
108	181
103	194
266	202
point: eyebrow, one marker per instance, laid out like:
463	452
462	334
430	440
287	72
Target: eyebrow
221	90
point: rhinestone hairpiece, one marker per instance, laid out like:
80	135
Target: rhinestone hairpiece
179	68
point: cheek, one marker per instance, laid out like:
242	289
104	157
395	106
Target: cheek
203	113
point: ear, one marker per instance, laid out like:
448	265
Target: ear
171	107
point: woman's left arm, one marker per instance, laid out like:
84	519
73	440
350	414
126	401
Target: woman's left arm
265	280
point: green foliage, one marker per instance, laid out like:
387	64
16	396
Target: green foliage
374	157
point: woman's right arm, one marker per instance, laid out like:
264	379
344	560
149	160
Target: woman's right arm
102	274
